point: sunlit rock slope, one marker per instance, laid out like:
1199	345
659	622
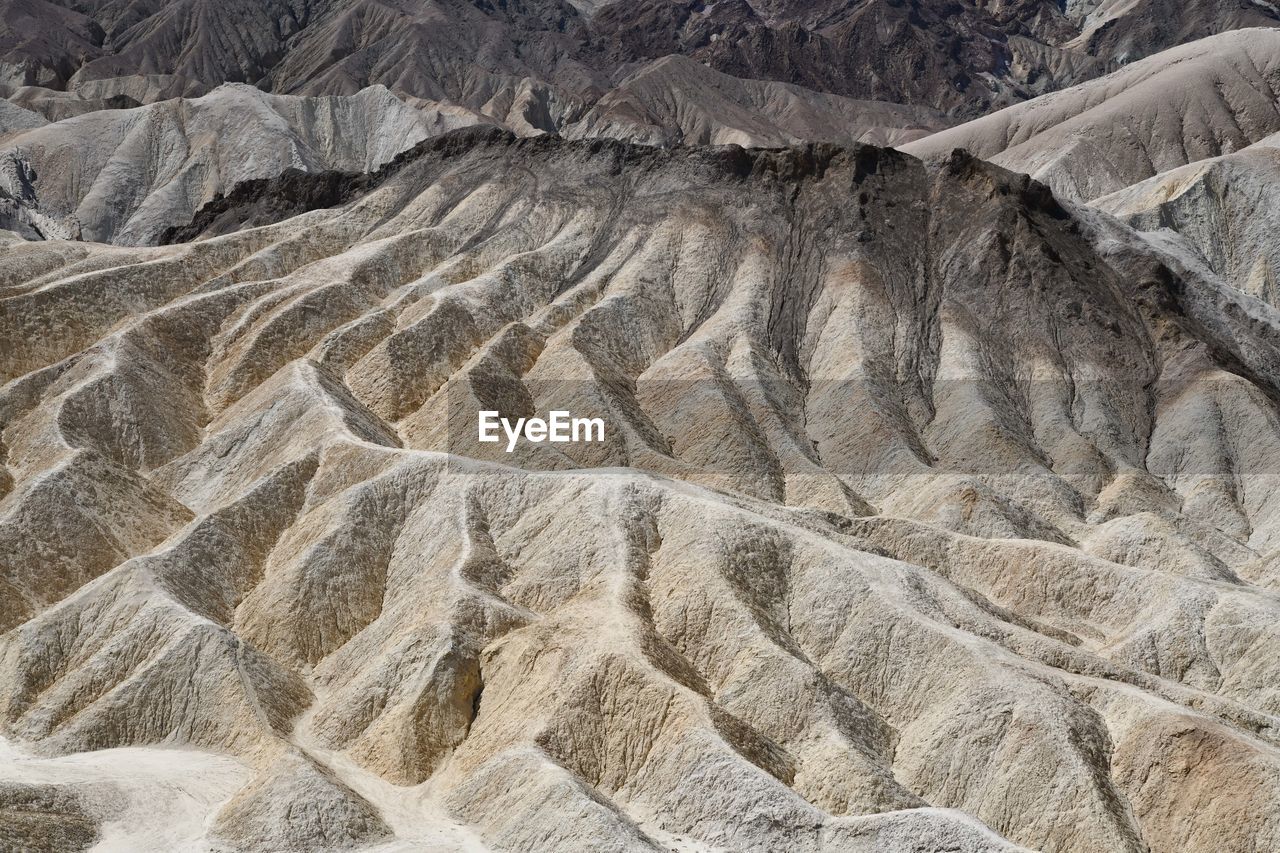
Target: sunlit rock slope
933	514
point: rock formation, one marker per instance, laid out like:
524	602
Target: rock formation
934	513
126	175
123	176
1208	98
554	58
676	100
1222	209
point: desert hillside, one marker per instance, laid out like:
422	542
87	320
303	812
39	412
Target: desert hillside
543	426
931	511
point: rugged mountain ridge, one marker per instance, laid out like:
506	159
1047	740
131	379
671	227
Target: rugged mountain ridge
1222	210
1201	100
962	58
127	176
124	176
935	513
1181	146
107	170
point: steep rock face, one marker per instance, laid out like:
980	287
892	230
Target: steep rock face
1223	208
110	170
16	192
964	58
1208	98
123	176
932	513
1182	146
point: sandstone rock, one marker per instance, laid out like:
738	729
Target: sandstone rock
297	805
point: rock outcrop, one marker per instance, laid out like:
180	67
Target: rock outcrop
129	175
932	512
1222	209
550	59
297	805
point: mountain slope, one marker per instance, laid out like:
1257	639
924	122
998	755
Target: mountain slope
679	101
1127	31
126	175
932	513
1201	100
15	119
130	175
1223	207
962	58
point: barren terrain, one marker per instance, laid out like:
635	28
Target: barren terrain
935	514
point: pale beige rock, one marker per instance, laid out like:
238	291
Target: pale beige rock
933	514
1224	208
1203	99
123	176
297	805
677	100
